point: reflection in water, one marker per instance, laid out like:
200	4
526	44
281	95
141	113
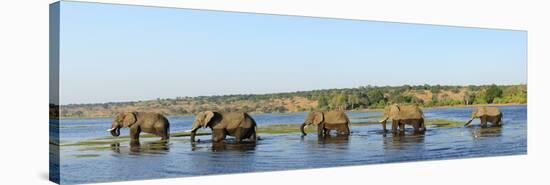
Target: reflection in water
327	143
147	147
491	131
402	140
339	139
243	146
227	146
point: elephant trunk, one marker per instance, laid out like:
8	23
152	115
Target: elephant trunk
470	121
115	131
302	129
193	133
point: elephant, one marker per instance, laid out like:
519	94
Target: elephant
327	121
237	124
402	115
486	114
138	122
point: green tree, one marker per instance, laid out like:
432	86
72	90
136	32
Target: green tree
493	92
375	96
322	102
353	100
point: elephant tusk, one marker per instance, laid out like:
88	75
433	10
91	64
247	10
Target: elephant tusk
111	129
306	126
188	130
381	121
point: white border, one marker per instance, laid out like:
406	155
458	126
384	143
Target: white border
24	73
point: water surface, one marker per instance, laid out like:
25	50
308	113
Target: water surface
366	145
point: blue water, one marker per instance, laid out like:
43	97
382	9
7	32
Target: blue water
366	145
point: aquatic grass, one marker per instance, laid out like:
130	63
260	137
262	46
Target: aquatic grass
94	142
444	123
86	155
95	148
283	128
369	117
78	126
262	129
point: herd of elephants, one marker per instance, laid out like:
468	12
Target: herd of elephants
242	126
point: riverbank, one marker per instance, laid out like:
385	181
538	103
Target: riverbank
356	110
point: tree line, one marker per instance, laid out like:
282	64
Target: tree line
363	97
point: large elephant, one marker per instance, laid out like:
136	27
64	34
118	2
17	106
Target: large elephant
486	114
138	122
237	124
401	115
327	121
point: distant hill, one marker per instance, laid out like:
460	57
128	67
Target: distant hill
361	98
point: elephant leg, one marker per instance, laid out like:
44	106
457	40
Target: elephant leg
483	121
327	131
339	131
394	124
253	136
347	131
238	135
401	126
499	121
134	133
218	135
416	125
320	130
162	132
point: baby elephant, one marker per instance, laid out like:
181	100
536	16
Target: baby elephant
138	122
326	121
238	124
487	114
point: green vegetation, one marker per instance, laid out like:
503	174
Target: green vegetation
361	98
444	123
86	155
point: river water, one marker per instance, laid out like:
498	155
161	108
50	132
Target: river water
366	145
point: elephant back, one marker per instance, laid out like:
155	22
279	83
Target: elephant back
489	111
335	117
410	112
149	116
233	119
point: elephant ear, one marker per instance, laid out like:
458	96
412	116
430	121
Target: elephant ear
129	119
474	113
208	115
318	118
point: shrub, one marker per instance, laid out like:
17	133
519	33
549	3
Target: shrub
493	92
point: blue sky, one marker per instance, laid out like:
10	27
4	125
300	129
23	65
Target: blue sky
112	53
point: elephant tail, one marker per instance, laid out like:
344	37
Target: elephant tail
167	127
168	131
